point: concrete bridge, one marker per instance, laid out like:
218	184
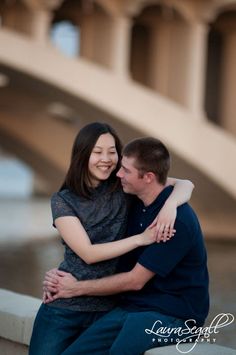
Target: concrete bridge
149	67
28	130
194	139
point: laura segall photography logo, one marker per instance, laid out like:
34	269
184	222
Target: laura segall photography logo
190	334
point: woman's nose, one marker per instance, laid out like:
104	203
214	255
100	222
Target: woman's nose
105	157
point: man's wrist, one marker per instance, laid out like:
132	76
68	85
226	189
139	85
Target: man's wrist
78	288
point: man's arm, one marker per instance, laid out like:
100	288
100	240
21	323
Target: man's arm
64	285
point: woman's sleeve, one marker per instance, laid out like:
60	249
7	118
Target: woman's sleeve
60	207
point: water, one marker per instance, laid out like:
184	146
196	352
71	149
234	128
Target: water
23	267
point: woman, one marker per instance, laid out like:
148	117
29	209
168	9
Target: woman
90	213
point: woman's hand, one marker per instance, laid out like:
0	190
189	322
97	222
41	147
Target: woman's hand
148	236
164	222
47	297
58	284
48	294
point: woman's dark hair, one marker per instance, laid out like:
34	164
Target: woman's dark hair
78	178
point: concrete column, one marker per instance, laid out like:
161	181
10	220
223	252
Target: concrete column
40	17
120	49
96	38
86	37
195	90
159	57
40	25
228	92
17	18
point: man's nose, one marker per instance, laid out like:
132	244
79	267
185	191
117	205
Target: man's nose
119	173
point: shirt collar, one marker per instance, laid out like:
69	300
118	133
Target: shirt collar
160	199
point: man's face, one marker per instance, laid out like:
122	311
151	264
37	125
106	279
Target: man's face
129	176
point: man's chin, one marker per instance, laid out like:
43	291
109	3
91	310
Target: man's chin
126	189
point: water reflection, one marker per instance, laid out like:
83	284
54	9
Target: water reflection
23	267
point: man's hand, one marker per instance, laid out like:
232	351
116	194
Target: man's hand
59	284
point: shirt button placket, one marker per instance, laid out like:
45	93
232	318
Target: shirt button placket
144	210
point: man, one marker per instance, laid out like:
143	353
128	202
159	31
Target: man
163	285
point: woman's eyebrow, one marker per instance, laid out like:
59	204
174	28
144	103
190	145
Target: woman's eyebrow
111	147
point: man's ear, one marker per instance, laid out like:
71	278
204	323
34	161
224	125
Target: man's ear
149	177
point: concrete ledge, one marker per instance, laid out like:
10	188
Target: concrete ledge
17	313
199	349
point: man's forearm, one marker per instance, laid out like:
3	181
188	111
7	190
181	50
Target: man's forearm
107	286
63	285
101	287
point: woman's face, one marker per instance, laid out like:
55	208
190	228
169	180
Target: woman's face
103	159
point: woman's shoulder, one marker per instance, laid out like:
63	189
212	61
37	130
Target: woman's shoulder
63	203
61	196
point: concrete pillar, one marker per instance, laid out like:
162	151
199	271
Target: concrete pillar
40	25
120	49
228	92
106	40
95	40
86	37
40	19
17	18
159	57
195	90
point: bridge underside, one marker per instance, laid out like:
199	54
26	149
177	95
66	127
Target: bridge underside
38	123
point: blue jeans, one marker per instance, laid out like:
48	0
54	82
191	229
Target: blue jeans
121	332
56	328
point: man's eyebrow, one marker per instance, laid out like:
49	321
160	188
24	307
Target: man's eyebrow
125	167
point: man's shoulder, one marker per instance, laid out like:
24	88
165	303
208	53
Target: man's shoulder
187	217
186	211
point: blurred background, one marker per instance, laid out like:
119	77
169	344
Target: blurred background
164	68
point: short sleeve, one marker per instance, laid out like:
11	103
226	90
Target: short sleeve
60	207
162	258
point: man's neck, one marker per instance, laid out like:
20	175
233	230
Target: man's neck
150	194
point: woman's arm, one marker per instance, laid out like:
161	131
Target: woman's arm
182	191
165	219
75	236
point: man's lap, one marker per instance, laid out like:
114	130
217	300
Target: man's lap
123	332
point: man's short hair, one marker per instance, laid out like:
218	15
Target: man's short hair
150	155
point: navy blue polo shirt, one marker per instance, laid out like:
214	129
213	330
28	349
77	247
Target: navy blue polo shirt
180	285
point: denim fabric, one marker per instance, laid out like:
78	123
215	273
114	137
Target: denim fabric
122	332
56	328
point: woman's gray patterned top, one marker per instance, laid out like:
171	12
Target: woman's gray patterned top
104	218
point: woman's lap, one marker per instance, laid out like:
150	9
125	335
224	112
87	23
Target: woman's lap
56	328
